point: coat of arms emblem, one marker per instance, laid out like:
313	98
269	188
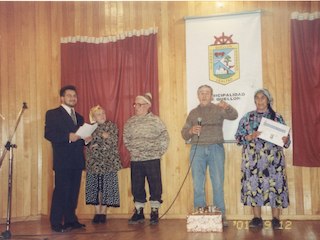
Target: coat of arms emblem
224	66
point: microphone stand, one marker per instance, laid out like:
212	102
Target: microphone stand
9	147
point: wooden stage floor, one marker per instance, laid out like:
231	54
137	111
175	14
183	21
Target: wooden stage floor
167	229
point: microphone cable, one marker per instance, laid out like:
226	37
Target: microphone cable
184	180
41	236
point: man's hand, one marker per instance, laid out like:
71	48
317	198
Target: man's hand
223	105
196	129
73	137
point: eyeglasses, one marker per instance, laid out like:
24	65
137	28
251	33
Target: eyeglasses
139	104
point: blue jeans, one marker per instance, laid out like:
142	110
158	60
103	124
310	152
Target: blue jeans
211	156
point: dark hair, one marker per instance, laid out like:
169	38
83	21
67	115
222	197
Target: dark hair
65	88
272	112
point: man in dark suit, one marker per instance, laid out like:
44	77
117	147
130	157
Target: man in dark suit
68	160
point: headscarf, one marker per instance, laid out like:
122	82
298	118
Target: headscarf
266	92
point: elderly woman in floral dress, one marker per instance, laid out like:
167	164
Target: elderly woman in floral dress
263	163
103	164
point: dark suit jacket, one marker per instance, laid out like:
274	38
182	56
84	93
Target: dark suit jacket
57	128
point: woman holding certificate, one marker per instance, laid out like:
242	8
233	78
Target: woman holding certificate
263	163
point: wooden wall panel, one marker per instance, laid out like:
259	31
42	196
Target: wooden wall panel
30	35
3	106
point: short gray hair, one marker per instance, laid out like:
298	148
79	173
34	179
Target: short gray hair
205	86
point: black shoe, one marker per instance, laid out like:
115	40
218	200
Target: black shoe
137	217
276	223
256	223
74	225
102	218
57	228
96	218
154	216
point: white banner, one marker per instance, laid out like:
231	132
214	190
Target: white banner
224	52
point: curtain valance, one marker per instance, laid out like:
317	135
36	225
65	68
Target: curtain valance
121	36
305	15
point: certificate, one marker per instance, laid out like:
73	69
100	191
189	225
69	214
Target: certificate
272	131
86	130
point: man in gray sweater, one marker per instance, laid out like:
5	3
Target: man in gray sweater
203	129
147	139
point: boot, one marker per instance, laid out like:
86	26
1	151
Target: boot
154	216
96	218
103	218
137	217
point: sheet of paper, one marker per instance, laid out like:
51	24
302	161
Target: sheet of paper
86	130
272	131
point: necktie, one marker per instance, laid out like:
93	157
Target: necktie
73	116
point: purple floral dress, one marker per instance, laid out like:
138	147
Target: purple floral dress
263	177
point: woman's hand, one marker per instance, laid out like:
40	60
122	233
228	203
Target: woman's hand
105	135
252	136
87	140
285	139
93	146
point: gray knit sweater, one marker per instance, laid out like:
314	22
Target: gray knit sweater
146	137
212	120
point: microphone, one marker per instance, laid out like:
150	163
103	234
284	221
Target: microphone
199	123
24	106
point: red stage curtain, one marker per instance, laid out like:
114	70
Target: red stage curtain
111	72
305	61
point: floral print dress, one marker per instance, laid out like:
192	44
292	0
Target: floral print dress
263	177
102	165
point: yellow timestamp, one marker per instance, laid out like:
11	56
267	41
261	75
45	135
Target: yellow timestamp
239	224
